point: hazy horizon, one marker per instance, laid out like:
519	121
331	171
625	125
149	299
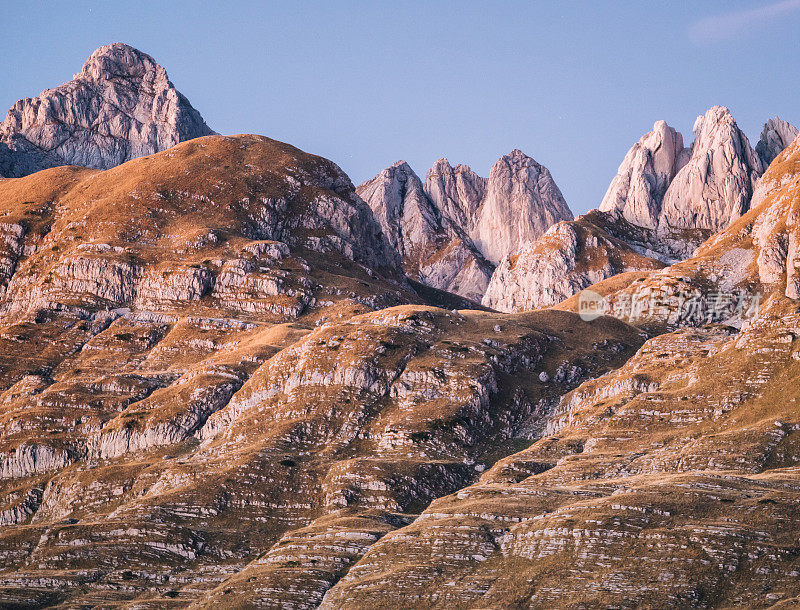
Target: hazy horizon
572	85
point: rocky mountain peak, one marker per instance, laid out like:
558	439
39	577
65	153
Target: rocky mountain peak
424	225
119	107
401	164
717	127
662	185
522	201
399	204
441	165
451	231
637	191
119	60
458	191
518	155
775	136
714	187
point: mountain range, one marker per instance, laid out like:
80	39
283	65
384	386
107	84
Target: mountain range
231	378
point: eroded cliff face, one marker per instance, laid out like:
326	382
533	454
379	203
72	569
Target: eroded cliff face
453	230
661	185
425	232
456	191
120	106
662	205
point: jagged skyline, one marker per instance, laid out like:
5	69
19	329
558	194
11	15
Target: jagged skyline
571	86
229	377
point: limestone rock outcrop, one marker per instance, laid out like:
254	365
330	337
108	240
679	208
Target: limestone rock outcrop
398	201
664	202
456	191
736	272
451	230
775	137
663	186
120	106
434	248
522	201
570	256
638	189
426	231
715	186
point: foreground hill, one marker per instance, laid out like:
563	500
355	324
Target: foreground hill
672	481
215	380
179	432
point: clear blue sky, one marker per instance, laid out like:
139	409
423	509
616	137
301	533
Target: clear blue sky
573	84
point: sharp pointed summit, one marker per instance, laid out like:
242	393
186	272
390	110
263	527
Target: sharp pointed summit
637	191
522	202
714	187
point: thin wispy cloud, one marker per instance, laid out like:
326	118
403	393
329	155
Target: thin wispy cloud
727	26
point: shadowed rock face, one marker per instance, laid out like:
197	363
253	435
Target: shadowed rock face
457	192
775	137
637	191
120	106
426	231
453	229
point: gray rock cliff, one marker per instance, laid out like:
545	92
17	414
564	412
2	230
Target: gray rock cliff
522	202
120	106
435	250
